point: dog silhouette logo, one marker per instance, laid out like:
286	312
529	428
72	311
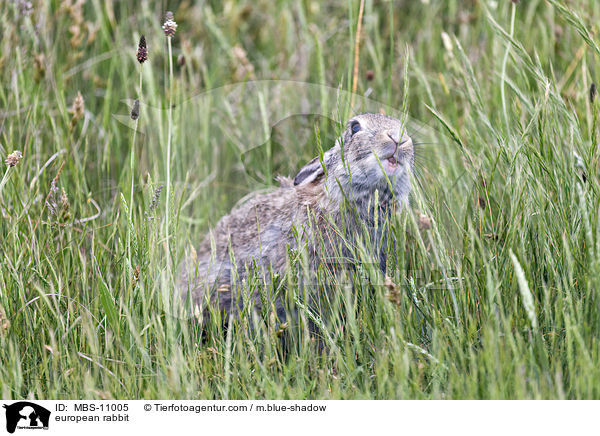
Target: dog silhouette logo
26	415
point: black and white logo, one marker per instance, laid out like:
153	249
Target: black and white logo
26	415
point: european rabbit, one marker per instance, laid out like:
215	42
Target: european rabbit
260	229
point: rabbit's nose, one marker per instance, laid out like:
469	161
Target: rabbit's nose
394	135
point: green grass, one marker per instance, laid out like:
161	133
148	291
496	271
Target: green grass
500	298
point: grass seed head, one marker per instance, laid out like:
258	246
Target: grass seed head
243	68
135	110
39	67
156	197
77	110
424	222
394	291
142	51
169	26
136	277
25	7
4	322
78	106
58	203
13	158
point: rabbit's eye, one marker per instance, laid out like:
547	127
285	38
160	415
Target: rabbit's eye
355	127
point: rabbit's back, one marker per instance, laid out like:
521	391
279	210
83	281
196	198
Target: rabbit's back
257	230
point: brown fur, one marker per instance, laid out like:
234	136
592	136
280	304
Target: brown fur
259	228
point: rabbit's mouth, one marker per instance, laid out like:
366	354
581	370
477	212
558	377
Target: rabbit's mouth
399	156
392	162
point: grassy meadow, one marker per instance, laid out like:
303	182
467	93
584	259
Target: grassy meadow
494	293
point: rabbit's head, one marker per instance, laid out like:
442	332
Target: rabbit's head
377	154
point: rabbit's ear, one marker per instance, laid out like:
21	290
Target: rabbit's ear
313	170
310	172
